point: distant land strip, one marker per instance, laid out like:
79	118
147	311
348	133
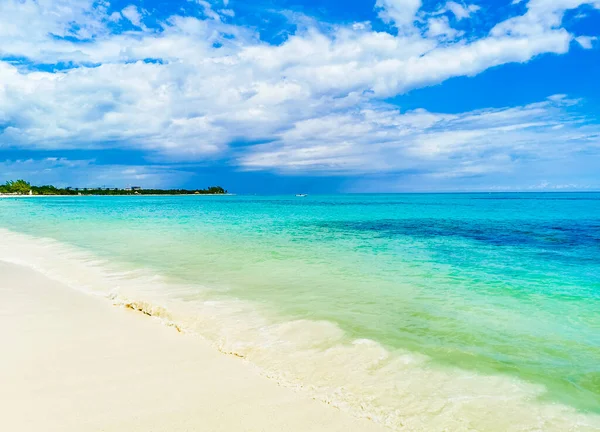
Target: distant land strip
22	187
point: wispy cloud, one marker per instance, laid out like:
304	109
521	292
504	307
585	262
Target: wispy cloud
383	139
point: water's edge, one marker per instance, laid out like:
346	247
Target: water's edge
399	389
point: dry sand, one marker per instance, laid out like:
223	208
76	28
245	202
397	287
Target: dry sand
72	362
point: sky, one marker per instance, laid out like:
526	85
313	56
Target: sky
287	96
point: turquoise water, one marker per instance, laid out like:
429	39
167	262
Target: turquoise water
496	284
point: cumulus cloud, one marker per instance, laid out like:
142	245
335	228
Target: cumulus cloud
402	13
193	85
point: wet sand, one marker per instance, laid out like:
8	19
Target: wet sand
72	362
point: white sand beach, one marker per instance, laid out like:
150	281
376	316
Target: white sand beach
72	362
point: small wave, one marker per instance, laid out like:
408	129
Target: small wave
400	389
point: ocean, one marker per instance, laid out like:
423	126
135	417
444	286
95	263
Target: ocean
419	311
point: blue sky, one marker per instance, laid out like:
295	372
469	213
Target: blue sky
280	96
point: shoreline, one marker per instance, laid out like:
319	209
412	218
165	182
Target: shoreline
72	363
398	389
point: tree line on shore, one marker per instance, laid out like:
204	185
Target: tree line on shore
22	187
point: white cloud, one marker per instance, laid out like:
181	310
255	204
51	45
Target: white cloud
115	17
586	42
208	10
194	108
133	15
461	11
440	27
541	17
402	13
381	139
227	12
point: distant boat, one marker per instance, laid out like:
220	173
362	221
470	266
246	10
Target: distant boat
300	195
